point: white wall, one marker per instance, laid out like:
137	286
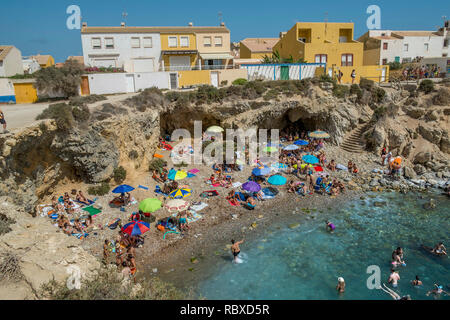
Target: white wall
151	79
111	83
12	63
123	53
266	72
417	47
7	91
30	66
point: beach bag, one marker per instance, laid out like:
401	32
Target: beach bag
160	227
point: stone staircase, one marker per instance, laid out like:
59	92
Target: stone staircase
354	140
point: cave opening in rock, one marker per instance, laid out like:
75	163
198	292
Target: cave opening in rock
185	120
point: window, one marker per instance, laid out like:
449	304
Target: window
405	47
321	58
426	46
302	39
184	41
347	60
218	41
135	42
109	43
173	42
207	41
147	42
385	46
96	43
445	43
384	62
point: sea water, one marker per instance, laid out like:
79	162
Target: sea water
304	262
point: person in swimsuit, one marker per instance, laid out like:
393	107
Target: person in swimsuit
235	248
341	285
397	257
394	294
439	249
132	264
393	278
416	282
438	290
330	226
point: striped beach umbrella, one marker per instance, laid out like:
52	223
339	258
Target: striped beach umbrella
136	228
176	205
319	134
180	193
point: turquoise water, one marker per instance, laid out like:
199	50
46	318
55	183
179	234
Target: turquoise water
304	263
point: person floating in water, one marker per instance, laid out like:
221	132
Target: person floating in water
437	291
330	226
440	249
341	285
397	257
394	294
235	248
416	282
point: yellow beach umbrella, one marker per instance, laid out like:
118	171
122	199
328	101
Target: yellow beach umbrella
215	129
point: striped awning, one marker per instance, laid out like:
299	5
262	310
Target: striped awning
215	56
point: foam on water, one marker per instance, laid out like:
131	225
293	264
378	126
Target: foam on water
305	262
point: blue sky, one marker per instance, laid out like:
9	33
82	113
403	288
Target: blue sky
40	26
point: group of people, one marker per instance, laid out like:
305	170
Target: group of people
422	72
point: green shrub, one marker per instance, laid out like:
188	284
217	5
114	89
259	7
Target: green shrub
326	78
79	101
65	79
355	89
61	113
366	84
107	285
223	83
340	91
157	164
426	86
81	114
239	82
133	154
272	94
395	65
119	174
378	94
379	112
99	190
10	268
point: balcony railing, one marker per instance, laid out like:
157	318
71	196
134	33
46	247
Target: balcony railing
196	67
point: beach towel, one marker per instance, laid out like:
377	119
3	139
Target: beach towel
199	207
236	184
92	211
194	171
241	196
143	187
209	193
191	175
158	191
90	202
233	204
318	169
157	155
80	235
341	167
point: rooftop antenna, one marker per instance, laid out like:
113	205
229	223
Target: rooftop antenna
124	15
220	16
326	21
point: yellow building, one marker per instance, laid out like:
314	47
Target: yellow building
45	60
256	48
332	44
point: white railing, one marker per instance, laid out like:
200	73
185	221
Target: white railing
196	67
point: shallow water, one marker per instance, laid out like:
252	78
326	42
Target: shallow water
305	262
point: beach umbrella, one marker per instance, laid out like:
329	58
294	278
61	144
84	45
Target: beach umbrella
290	147
270	191
301	143
261	171
136	228
176	174
319	134
270	149
251	186
180	193
279	166
123	188
176	205
310	159
277	180
150	205
215	129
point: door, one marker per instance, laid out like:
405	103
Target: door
383	75
284	72
25	93
173	80
130	82
143	65
85	86
215	79
180	63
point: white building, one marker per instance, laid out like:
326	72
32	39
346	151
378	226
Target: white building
385	46
139	51
10	61
30	65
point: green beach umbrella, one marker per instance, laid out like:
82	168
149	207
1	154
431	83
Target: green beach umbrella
150	205
270	149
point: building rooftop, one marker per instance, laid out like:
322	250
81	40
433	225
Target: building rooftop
415	33
260	44
41	59
4	50
124	29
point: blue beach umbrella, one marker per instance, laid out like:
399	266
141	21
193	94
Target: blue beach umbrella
277	180
290	147
123	188
310	159
261	171
301	143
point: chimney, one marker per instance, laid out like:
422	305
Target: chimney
122	24
190	24
84	24
222	24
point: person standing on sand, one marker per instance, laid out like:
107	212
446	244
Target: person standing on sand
106	249
353	75
3	121
235	248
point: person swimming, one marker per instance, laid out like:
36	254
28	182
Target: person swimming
416	282
397	257
439	249
341	285
438	290
235	249
394	277
330	226
394	294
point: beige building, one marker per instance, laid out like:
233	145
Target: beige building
256	48
10	61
